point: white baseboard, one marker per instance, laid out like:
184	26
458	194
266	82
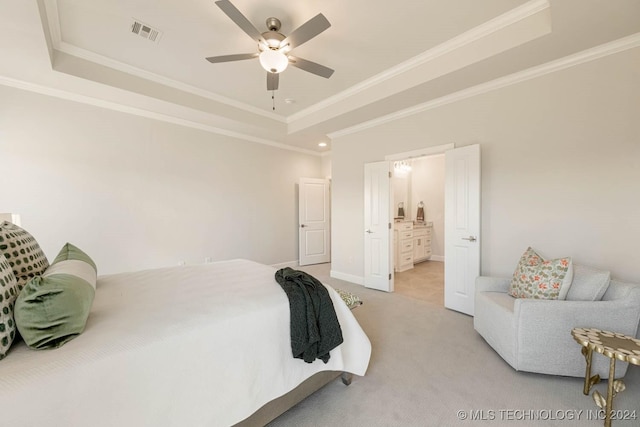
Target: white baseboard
438	258
358	280
292	264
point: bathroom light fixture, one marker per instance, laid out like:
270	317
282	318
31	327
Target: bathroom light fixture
401	167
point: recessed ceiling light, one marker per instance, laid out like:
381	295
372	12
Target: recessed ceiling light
322	144
290	101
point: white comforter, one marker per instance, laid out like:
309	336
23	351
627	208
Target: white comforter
202	345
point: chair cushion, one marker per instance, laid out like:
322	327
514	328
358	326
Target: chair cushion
538	278
589	284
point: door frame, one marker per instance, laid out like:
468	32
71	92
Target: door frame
427	151
423	152
407	155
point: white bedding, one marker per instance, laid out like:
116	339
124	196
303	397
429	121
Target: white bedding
182	346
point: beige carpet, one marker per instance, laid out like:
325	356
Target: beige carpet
428	364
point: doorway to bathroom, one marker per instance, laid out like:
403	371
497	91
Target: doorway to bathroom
418	201
461	224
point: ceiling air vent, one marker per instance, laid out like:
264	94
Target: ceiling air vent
145	31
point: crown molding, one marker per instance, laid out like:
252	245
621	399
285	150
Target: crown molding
138	72
58	44
496	24
71	96
616	46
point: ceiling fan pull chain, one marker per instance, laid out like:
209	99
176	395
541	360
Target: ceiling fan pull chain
273	99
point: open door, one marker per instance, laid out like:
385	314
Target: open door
462	227
378	265
314	214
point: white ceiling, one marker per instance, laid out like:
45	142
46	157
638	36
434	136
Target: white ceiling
366	38
387	55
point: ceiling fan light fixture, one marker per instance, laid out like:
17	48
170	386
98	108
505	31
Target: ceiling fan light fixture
273	46
273	61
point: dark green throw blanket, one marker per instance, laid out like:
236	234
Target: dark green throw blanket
315	330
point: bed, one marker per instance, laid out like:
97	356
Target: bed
202	345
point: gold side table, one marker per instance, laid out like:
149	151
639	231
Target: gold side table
616	347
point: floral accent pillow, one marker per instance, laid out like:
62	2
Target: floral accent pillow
350	299
538	278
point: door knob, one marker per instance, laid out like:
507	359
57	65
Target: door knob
302	226
368	231
470	238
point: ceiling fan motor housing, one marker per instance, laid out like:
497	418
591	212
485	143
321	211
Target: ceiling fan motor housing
273	24
273	39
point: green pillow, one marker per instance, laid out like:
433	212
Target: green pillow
53	308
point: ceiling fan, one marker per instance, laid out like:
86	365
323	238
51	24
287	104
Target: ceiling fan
274	47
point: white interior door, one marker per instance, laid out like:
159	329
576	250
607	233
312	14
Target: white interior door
314	216
377	227
462	227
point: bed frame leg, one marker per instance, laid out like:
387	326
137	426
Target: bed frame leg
346	378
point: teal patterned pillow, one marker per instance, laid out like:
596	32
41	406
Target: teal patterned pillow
53	308
22	251
8	294
538	278
350	299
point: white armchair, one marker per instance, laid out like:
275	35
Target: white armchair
535	335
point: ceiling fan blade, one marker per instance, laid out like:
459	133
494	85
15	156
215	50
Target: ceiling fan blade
273	79
306	32
241	21
228	58
311	67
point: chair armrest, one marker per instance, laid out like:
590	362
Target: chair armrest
543	333
617	315
492	284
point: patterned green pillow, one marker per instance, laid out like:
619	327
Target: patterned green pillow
23	252
350	299
538	278
8	294
52	309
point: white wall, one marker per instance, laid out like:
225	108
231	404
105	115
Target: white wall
428	186
401	182
136	193
325	166
560	167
